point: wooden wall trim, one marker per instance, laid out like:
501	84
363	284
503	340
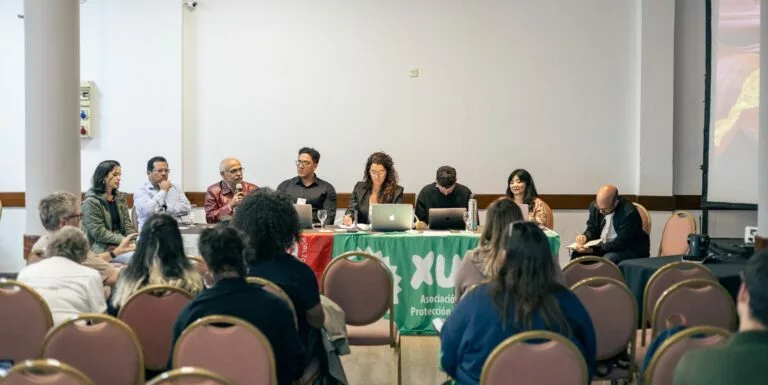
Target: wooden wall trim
555	201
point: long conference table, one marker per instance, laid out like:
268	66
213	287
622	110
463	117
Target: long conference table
423	265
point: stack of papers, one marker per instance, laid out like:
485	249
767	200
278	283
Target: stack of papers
591	243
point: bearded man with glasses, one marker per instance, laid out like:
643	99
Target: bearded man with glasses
307	188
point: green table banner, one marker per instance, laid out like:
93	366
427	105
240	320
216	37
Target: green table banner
423	266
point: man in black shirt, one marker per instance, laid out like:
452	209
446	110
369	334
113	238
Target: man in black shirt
308	188
443	194
223	251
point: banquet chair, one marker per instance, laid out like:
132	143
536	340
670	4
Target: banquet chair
101	346
229	346
661	368
151	313
524	359
363	288
588	267
188	375
613	310
701	302
644	216
44	372
278	291
24	320
660	281
674	238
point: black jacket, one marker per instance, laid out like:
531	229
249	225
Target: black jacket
628	226
361	198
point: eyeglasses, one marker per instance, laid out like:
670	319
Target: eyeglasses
163	171
378	173
303	163
236	171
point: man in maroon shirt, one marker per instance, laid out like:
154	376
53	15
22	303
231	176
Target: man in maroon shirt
223	196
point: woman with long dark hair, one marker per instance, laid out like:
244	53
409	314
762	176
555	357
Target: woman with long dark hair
522	190
523	296
106	220
379	185
159	259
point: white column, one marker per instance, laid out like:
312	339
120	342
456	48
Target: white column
762	167
52	77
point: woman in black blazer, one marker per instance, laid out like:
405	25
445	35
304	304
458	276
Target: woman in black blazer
379	185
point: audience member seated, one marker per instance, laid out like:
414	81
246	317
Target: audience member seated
616	223
271	226
444	193
159	260
224	251
224	196
379	185
106	220
158	194
307	188
743	360
66	286
522	190
485	261
62	209
524	296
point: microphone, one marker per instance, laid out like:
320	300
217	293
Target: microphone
238	188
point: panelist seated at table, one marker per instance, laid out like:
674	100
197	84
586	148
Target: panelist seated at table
743	359
159	194
527	290
522	190
379	185
106	220
307	188
223	197
615	228
442	194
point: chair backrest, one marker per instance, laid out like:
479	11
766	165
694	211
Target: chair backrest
529	361
588	267
44	372
613	310
674	238
275	289
24	321
151	313
229	346
550	216
700	301
102	347
188	375
644	216
660	370
667	276
362	288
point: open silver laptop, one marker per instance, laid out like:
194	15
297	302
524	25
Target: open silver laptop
391	217
305	215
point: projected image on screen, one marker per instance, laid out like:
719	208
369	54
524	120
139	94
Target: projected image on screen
735	100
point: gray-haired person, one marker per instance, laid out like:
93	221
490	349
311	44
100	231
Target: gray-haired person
68	287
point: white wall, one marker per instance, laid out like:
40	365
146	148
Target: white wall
535	84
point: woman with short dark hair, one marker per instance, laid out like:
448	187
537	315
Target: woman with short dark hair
106	219
522	190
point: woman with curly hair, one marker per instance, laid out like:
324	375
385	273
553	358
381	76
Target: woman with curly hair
379	185
271	227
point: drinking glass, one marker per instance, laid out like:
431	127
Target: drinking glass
322	215
467	217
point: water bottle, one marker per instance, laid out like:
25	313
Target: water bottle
472	210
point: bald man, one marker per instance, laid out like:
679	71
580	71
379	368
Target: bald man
616	223
223	197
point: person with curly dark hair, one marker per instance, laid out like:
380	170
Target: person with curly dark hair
271	226
379	185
